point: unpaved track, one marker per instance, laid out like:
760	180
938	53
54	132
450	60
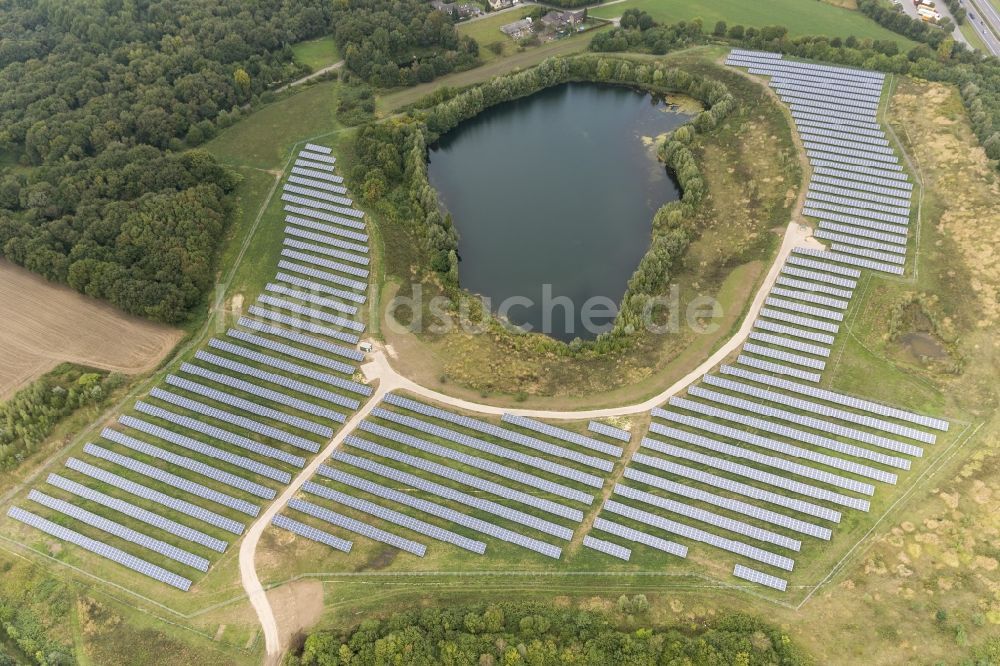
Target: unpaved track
45	324
389	380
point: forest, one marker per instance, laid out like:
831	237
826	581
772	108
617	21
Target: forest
96	102
513	633
391	43
28	418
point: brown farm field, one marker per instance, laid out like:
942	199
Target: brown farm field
45	324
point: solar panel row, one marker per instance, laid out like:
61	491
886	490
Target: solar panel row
357	527
563	434
640	537
607	547
464	499
239	421
311	533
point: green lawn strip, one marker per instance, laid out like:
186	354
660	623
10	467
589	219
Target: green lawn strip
316	53
264	138
801	18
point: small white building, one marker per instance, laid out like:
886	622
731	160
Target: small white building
502	4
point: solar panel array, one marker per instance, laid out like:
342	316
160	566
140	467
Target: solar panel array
119	530
842	399
280	380
822	410
501	433
139	490
388	515
457	496
248	406
220	434
172	480
803	437
695	534
239	421
325	239
753	492
320	282
109	552
189	464
441	511
736	526
358	527
470	480
262	392
483	464
490	448
206	450
736	506
137	513
281	348
858	181
610	431
312	299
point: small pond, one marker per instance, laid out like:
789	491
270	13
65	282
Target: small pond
553	197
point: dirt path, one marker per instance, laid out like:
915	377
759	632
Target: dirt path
309	77
45	324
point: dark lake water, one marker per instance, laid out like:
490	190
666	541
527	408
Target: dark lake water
555	194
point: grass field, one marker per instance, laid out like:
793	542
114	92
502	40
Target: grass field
263	139
316	53
486	31
801	17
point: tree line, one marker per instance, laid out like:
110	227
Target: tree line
514	633
96	101
391	43
28	418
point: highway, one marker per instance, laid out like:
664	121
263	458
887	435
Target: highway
985	20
